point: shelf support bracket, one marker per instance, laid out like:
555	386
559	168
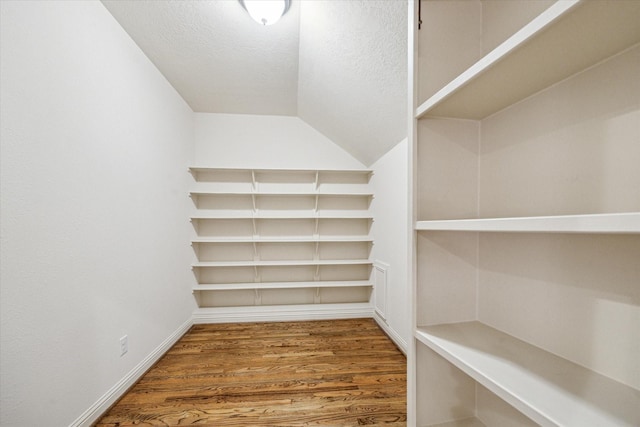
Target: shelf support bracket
256	255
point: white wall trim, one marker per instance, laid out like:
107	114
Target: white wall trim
282	313
110	397
395	337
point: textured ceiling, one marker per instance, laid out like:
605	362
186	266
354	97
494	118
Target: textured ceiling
352	83
340	65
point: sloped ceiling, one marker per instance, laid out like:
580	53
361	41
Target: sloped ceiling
339	65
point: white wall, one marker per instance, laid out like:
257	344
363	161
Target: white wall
95	149
390	208
250	141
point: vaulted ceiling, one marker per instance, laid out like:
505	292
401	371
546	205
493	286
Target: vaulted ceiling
339	65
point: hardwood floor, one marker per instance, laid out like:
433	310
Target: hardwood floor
320	373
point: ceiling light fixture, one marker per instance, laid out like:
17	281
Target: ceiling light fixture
266	12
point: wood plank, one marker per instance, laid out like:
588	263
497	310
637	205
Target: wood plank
335	372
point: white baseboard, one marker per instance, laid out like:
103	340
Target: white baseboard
282	313
395	337
92	414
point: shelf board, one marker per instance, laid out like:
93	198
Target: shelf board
279	170
621	223
264	214
284	239
281	193
282	263
548	389
281	285
539	55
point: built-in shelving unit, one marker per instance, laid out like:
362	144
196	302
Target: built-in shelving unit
281	237
527	213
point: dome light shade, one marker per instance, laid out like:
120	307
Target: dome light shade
266	12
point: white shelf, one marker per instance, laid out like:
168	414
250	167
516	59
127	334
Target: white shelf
278	170
545	123
284	214
282	285
539	55
284	239
549	389
628	223
280	193
259	207
282	263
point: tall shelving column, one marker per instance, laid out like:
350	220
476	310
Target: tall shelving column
269	239
527	207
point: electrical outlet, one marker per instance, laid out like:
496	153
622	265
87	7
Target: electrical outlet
124	345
